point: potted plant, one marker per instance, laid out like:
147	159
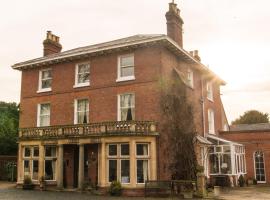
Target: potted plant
115	188
27	183
254	181
241	181
188	190
42	183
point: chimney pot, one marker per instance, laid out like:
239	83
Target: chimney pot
51	44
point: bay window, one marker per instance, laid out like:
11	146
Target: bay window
119	163
142	162
50	163
30	161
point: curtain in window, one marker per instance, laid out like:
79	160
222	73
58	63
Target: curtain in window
145	170
127	107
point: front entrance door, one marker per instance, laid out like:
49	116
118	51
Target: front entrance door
71	165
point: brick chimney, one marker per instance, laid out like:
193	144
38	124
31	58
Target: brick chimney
51	44
174	24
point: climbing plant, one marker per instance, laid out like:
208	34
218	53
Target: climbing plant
179	128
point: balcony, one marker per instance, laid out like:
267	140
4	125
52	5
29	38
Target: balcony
141	128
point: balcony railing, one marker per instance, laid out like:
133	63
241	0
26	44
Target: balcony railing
93	129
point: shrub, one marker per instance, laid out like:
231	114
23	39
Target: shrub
115	188
254	181
199	169
27	180
241	181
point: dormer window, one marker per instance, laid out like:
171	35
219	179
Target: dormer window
125	68
190	78
82	75
209	89
45	80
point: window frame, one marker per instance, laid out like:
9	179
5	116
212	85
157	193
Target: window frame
30	160
119	67
118	159
211	114
255	173
39	112
76	110
142	157
209	91
119	105
53	159
76	85
40	89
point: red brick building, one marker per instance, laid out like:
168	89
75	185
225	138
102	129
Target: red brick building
91	114
256	139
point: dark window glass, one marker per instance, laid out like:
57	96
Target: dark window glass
112	170
124	149
113	150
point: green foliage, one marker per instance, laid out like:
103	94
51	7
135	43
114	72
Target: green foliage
254	181
241	181
9	122
178	124
115	188
252	117
27	180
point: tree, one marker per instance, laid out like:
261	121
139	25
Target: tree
252	117
9	122
178	124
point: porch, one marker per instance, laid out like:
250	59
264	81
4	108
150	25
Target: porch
93	154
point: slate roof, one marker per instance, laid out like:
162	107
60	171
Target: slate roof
250	127
120	44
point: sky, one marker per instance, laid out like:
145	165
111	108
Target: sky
232	36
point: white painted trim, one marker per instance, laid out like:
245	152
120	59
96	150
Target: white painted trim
191	80
254	163
209	87
38	113
40	89
211	116
119	101
75	111
76	84
124	78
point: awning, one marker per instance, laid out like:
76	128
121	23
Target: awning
203	140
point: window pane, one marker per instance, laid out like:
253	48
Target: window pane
124	149
125	178
44	120
83	78
127	107
112	170
50	151
127	61
27	152
35	170
82	111
45	109
226	164
142	149
49	169
214	165
142	171
83	73
112	150
127	71
26	167
46	83
46	74
36	152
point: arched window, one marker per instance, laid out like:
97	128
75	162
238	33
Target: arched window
259	166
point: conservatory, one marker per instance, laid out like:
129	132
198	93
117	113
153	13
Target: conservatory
226	157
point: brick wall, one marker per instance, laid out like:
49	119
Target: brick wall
253	141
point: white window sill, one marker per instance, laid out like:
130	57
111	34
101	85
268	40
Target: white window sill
44	90
127	78
81	85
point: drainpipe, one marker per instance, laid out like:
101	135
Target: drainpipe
203	108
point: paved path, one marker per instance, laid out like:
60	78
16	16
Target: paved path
249	193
